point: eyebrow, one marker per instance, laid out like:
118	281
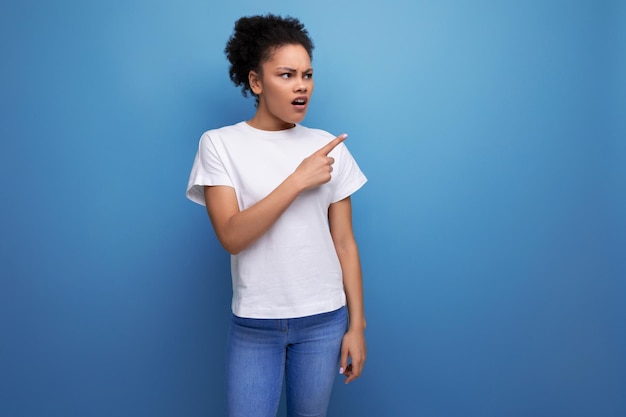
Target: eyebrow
289	69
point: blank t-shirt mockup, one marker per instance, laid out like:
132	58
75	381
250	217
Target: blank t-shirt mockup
292	270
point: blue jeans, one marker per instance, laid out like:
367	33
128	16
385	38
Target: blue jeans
304	351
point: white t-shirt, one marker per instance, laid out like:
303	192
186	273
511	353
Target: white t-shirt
293	269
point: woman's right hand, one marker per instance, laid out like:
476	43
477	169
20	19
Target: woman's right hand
316	169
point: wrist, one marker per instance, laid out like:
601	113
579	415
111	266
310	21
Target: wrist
294	184
357	325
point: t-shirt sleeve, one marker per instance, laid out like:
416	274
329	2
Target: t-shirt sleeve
208	169
347	174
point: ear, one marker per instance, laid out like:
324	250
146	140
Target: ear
256	84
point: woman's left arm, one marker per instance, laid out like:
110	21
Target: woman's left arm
353	345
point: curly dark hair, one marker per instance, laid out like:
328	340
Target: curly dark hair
254	40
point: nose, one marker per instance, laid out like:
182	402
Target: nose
300	86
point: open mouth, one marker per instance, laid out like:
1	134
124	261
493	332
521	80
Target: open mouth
300	101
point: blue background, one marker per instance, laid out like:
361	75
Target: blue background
492	229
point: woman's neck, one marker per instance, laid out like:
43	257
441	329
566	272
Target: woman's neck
263	120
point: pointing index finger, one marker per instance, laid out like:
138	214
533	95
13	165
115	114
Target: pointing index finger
332	144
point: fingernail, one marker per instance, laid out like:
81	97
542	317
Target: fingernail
345	135
341	370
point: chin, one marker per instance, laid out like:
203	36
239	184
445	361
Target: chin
298	119
292	118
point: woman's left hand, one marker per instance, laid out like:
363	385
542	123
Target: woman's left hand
353	347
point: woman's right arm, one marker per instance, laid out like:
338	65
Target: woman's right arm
236	229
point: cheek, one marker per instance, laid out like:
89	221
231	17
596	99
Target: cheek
273	91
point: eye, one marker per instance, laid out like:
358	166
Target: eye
285	75
308	76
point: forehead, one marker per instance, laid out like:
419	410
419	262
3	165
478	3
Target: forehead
294	56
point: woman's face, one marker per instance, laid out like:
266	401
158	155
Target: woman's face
284	88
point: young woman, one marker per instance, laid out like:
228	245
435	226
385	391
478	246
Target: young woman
278	196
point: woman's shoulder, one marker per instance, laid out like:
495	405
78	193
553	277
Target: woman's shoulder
235	129
220	134
312	131
322	137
